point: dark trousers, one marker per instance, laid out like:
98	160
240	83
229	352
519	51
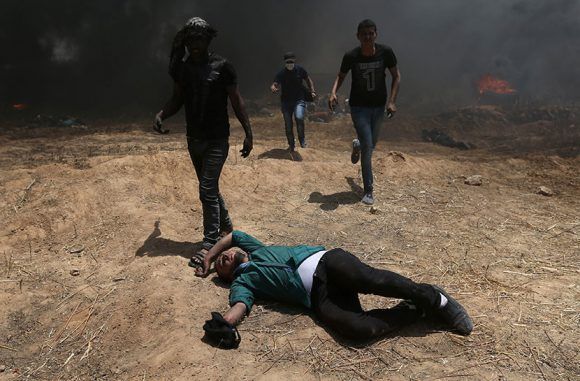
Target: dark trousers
296	109
340	277
208	157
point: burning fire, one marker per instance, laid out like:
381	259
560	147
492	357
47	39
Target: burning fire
490	84
20	106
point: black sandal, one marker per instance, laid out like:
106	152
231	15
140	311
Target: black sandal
197	258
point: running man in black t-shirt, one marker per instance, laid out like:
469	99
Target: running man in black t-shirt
368	96
291	80
204	82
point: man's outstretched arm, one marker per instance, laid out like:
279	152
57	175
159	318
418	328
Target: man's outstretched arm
236	313
240	111
395	81
171	107
310	83
221	245
333	100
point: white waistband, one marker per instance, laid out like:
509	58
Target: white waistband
307	268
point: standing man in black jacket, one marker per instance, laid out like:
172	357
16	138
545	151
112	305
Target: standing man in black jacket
203	82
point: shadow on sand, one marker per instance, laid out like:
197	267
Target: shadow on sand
332	201
155	246
281	154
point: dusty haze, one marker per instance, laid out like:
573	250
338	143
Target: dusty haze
111	56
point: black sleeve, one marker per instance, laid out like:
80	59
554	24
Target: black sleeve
278	77
390	58
175	69
176	64
229	74
346	64
304	73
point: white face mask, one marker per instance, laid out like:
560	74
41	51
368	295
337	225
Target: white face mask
290	66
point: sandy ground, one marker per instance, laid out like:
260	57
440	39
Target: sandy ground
99	224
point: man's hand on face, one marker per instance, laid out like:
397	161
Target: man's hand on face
332	102
391	109
247	147
158	123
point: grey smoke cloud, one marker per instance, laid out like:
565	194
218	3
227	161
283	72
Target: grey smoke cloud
113	54
62	50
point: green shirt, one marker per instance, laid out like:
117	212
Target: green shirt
270	273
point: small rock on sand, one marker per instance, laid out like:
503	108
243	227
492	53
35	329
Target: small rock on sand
545	191
474	180
77	250
75	272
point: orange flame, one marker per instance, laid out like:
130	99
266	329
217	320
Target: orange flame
490	84
20	106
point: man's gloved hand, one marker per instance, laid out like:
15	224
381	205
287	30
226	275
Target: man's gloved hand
158	123
221	333
247	147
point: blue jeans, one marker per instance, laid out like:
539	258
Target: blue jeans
367	123
208	158
297	109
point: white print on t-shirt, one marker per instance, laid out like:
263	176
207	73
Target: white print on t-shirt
369	76
368	72
370	65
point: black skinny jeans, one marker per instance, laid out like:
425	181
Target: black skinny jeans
340	277
208	157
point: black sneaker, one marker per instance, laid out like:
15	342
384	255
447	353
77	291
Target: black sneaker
454	314
355	155
303	145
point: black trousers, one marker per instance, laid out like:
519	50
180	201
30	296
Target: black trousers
208	157
341	276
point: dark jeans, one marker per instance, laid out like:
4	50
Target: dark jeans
340	277
208	157
367	123
297	109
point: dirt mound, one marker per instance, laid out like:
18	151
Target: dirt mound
99	225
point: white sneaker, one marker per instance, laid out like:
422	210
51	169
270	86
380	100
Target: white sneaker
368	199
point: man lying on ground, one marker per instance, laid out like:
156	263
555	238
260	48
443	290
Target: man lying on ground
328	282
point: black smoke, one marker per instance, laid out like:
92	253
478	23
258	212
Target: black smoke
111	56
